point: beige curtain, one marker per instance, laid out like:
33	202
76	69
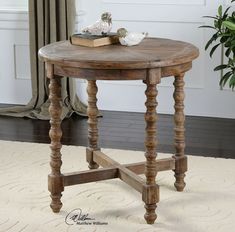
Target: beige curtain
49	21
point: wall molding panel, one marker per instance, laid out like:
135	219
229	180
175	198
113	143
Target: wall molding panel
17	19
21	61
15	76
13	19
158	2
15	84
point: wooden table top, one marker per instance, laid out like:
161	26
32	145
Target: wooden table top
150	53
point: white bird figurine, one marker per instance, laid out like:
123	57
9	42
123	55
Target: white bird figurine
100	27
130	38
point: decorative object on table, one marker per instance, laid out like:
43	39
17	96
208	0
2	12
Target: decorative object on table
100	27
130	38
224	25
94	40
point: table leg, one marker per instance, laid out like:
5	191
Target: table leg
179	118
92	112
55	179
151	190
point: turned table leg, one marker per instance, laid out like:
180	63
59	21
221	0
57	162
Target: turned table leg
92	112
179	118
55	179
151	190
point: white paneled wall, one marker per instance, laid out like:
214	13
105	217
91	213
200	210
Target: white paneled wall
176	19
14	4
15	85
15	78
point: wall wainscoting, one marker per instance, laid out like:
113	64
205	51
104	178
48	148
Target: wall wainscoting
169	18
15	77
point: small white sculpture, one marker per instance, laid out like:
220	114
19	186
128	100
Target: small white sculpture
100	27
130	38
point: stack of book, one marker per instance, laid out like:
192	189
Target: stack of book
94	40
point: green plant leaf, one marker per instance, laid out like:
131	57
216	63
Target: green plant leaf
220	9
225	78
220	67
210	17
223	39
225	13
205	26
213	49
224	35
228	52
229	25
224	26
213	38
232	82
231	62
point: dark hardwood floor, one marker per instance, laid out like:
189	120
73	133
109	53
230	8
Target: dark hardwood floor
211	137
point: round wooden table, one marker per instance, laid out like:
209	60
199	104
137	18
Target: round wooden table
150	61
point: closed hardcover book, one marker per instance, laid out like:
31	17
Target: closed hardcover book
93	40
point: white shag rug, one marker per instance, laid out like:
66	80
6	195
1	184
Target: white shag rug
206	205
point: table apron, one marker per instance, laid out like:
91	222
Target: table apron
117	74
101	74
175	70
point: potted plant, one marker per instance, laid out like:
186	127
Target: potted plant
224	37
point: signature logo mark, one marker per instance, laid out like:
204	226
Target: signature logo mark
76	216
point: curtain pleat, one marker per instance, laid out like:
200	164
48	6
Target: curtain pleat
49	21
